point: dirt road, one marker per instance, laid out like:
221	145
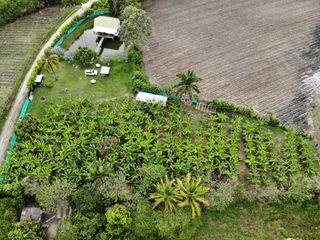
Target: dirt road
8	128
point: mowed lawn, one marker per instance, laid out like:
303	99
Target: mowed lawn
257	222
72	83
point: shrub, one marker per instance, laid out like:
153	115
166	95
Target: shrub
84	200
26	230
226	106
36	70
224	194
7	218
118	222
150	175
85	57
70	2
135	57
67	231
88	225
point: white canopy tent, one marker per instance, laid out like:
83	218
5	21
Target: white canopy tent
149	97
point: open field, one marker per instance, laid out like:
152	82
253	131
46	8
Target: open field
253	221
72	83
19	44
246	51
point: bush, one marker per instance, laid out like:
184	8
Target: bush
226	106
150	175
26	230
118	222
7	218
224	194
135	57
70	2
35	72
88	226
85	57
11	10
67	231
84	200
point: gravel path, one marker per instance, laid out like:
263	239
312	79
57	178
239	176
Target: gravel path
14	113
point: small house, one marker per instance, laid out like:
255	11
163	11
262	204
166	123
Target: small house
149	97
106	27
33	213
39	79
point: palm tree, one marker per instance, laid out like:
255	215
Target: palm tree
192	193
188	84
50	62
166	194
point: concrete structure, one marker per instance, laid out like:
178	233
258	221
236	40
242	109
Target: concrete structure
33	213
106	27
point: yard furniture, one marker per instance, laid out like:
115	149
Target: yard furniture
105	70
90	72
98	65
39	79
93	81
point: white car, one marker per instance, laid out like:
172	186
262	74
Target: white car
90	72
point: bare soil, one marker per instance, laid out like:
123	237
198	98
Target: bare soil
247	51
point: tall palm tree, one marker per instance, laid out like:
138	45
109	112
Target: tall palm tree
188	84
166	195
192	193
50	62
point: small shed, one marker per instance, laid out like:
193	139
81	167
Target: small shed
105	70
149	97
33	213
107	27
39	79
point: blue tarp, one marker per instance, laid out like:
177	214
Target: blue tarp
24	108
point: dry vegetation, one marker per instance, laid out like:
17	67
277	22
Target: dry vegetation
246	51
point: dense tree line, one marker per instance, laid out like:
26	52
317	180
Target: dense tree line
12	10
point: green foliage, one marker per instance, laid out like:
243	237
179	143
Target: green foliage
67	230
7	218
136	27
150	175
70	2
135	57
117	6
55	195
225	106
118	222
50	62
26	230
36	70
166	195
223	194
85	57
188	84
89	226
152	225
115	189
12	10
85	200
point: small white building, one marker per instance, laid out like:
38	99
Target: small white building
149	97
107	27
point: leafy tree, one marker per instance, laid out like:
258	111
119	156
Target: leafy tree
50	62
150	175
118	222
85	200
188	84
67	231
26	230
144	222
136	27
115	189
88	225
55	195
117	6
192	194
166	195
8	217
135	57
85	57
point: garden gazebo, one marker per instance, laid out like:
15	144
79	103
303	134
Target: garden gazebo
107	27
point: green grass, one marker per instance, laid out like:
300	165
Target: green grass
70	85
257	222
77	33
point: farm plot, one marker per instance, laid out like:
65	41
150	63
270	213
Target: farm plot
254	52
19	43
